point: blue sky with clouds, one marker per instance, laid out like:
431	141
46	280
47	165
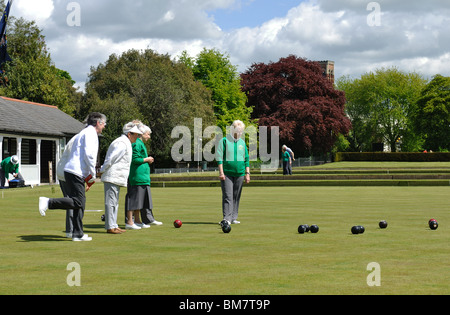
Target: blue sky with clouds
252	13
412	35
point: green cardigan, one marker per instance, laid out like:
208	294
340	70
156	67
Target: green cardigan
233	155
8	167
139	171
286	156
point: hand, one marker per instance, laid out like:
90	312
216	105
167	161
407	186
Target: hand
149	160
247	178
222	177
90	180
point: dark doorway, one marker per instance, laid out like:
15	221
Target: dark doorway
48	154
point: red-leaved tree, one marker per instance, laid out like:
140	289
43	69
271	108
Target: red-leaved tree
294	95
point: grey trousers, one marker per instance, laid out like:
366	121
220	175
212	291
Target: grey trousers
231	195
111	205
147	216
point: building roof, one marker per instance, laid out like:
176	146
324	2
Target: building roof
34	119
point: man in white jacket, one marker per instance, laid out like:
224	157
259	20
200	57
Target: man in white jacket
115	171
79	168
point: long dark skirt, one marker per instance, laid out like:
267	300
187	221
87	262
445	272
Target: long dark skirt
140	198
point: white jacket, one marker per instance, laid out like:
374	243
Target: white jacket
116	167
63	160
83	157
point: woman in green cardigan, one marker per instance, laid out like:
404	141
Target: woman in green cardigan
234	168
139	197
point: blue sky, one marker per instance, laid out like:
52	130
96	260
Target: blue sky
252	13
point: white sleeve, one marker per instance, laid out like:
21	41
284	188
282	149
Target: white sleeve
90	146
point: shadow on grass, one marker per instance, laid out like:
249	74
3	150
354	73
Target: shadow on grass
88	229
94	228
43	238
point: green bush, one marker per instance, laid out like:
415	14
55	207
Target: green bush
392	157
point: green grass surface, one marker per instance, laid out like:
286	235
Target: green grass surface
330	174
264	255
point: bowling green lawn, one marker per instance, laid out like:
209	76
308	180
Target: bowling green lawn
264	255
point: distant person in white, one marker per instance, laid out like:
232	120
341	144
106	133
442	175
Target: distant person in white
79	167
115	171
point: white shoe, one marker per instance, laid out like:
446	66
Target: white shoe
156	223
69	235
84	238
235	222
143	225
43	205
132	227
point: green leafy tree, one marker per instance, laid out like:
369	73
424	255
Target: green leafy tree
364	126
153	88
32	76
432	117
215	71
119	109
380	105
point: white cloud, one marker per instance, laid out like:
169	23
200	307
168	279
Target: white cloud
38	11
413	35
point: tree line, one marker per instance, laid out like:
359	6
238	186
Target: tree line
403	110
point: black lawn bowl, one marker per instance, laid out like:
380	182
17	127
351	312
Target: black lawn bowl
226	228
383	224
433	224
302	229
356	229
314	228
361	229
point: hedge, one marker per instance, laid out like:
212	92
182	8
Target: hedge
299	183
392	157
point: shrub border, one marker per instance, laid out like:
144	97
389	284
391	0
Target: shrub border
392	157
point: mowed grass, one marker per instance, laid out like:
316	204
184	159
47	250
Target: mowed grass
264	255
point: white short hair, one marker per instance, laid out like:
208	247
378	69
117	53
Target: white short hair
144	129
238	126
